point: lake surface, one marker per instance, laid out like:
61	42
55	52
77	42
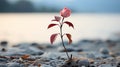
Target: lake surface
27	27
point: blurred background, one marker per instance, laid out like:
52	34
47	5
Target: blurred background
27	20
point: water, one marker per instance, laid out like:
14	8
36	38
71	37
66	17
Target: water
27	27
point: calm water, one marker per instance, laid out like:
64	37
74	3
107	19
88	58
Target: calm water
33	27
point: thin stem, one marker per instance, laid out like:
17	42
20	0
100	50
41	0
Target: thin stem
62	20
61	34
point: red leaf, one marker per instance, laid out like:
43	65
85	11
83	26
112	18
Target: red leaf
69	23
57	18
69	38
53	37
51	25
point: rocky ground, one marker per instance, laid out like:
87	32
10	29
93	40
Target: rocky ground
85	53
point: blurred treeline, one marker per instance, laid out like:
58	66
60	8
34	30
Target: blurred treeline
24	6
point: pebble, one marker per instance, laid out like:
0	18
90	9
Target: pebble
84	63
61	49
46	65
57	58
78	50
50	46
90	55
118	58
3	60
104	51
92	66
98	41
86	40
69	64
33	51
34	44
4	43
37	45
78	63
3	49
106	65
3	65
14	64
53	63
105	56
118	64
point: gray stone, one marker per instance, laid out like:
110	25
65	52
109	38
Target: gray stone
13	52
16	51
85	63
3	65
70	64
78	50
104	51
46	65
91	55
107	65
33	51
3	60
61	49
3	43
118	64
78	63
105	56
14	64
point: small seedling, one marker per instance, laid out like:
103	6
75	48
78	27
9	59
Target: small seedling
60	19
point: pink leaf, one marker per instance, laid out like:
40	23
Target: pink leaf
69	38
51	25
69	23
53	37
57	18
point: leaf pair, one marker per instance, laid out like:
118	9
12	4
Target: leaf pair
66	22
54	36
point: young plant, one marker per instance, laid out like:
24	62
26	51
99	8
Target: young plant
64	14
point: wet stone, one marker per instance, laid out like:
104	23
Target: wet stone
90	55
33	51
63	50
46	66
92	66
97	42
78	63
34	44
85	40
84	63
104	51
3	43
3	65
118	64
3	50
50	46
105	56
78	50
14	64
3	60
106	65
